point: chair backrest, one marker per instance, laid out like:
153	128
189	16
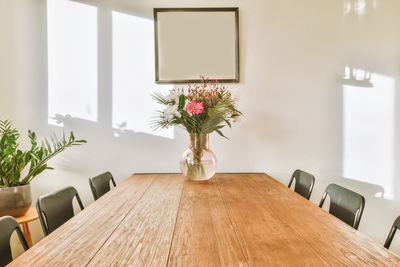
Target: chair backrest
101	184
304	183
7	226
395	227
345	204
56	208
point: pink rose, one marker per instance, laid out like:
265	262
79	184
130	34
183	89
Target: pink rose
194	107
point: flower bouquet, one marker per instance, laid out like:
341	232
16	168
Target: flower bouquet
200	109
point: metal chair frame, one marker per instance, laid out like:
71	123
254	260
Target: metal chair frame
304	183
345	204
100	184
54	209
395	227
8	225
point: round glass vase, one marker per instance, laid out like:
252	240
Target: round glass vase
198	162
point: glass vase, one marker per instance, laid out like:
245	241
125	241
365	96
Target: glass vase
198	161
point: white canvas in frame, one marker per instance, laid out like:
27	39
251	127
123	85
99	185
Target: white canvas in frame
191	42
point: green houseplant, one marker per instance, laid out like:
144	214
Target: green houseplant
19	167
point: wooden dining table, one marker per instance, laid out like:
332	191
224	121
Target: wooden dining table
236	219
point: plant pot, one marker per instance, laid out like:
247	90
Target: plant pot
198	162
15	201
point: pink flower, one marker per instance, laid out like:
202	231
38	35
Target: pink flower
194	107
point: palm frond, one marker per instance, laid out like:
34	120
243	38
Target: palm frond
217	115
160	98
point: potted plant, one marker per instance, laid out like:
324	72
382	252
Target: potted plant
201	108
19	167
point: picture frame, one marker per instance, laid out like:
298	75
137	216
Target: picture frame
190	42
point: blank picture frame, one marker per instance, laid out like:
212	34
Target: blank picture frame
190	42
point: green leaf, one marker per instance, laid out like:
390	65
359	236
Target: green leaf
13	161
228	123
160	98
221	134
182	100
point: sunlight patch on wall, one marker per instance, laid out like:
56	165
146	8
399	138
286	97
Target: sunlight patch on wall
72	60
133	75
368	129
358	7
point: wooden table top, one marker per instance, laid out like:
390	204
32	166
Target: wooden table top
231	220
29	216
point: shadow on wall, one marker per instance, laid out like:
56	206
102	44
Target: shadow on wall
379	212
119	148
101	73
100	78
371	122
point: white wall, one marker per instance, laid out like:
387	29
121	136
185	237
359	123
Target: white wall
300	111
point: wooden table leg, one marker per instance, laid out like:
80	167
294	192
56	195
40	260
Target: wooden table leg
27	233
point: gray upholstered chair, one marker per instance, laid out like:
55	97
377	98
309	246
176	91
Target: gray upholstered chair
56	208
395	227
7	227
345	204
304	183
101	184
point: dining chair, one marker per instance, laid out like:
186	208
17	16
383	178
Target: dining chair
395	227
345	204
56	208
101	184
8	225
304	183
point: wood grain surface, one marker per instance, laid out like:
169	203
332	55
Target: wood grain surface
77	241
204	234
231	220
144	237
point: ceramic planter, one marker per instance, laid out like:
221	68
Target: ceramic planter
15	201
